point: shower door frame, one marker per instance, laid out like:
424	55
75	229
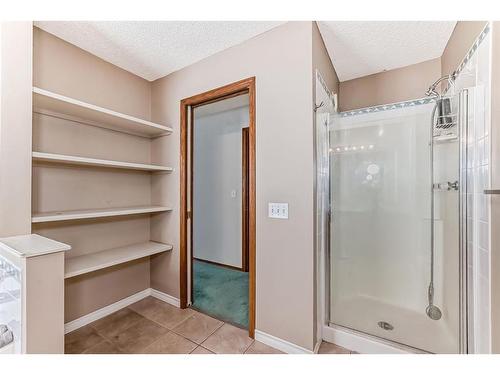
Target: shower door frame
465	277
465	334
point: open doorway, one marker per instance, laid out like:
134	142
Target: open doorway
219	247
218	203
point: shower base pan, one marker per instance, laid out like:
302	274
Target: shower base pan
363	324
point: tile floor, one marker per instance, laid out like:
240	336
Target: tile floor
153	326
328	348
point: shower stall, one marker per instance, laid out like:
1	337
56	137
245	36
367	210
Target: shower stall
381	228
398	195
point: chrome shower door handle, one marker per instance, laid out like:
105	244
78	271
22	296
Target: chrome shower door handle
492	192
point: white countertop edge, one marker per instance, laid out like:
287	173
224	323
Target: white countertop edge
32	245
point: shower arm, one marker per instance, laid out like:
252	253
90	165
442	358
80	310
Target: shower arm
431	91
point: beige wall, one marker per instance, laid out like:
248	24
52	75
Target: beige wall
87	293
407	83
15	128
464	34
284	152
65	69
495	184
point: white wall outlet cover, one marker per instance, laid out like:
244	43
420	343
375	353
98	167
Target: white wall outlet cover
278	210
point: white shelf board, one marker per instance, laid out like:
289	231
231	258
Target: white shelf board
91	214
50	103
108	258
79	160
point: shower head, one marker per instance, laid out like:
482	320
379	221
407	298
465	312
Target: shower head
433	312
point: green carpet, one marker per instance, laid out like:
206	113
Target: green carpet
221	292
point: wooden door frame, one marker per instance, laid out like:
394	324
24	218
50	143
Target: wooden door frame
245	150
224	92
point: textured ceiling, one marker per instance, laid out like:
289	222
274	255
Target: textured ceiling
359	48
154	49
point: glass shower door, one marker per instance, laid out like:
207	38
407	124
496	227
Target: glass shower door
380	233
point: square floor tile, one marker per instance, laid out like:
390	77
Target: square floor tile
201	350
329	348
171	343
197	327
104	347
136	338
160	312
80	340
228	340
260	348
117	322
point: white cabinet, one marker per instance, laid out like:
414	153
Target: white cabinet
32	293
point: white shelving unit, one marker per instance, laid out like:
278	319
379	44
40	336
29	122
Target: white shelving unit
137	139
50	103
78	160
92	214
108	258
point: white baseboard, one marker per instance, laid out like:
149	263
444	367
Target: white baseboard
165	297
118	305
280	344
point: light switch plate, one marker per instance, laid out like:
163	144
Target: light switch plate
278	210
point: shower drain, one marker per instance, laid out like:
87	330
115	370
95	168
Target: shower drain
386	326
